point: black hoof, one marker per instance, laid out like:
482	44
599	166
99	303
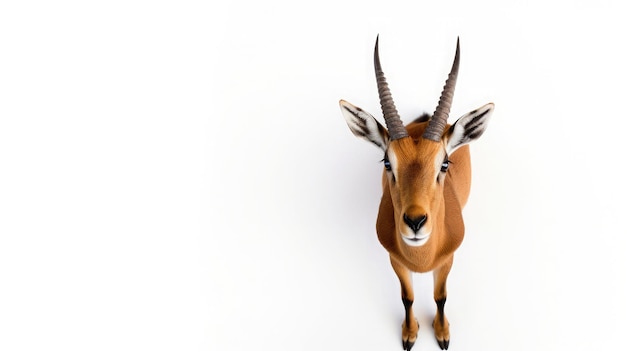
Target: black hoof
443	344
407	345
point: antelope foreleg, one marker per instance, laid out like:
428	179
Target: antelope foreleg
440	324
410	325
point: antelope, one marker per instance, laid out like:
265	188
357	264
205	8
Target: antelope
426	183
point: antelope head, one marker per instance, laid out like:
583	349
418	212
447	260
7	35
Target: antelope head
416	163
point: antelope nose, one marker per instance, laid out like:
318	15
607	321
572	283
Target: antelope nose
414	223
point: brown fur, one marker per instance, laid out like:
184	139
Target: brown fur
415	190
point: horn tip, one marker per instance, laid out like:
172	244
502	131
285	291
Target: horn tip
376	59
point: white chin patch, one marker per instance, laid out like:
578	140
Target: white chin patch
415	241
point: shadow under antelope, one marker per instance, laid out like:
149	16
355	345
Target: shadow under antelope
426	184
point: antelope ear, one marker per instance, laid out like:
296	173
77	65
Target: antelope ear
364	125
468	128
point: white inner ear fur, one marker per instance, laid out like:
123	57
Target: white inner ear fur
363	125
468	128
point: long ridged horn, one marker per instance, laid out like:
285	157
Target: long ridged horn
392	119
437	124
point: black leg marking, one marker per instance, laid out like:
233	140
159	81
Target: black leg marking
408	304
407	307
440	303
443	344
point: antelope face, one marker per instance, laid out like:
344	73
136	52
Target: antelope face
415	171
416	165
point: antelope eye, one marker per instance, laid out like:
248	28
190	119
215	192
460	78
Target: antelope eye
445	165
387	164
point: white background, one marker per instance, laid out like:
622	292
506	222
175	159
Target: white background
178	175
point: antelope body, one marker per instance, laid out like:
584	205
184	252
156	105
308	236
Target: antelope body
426	184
